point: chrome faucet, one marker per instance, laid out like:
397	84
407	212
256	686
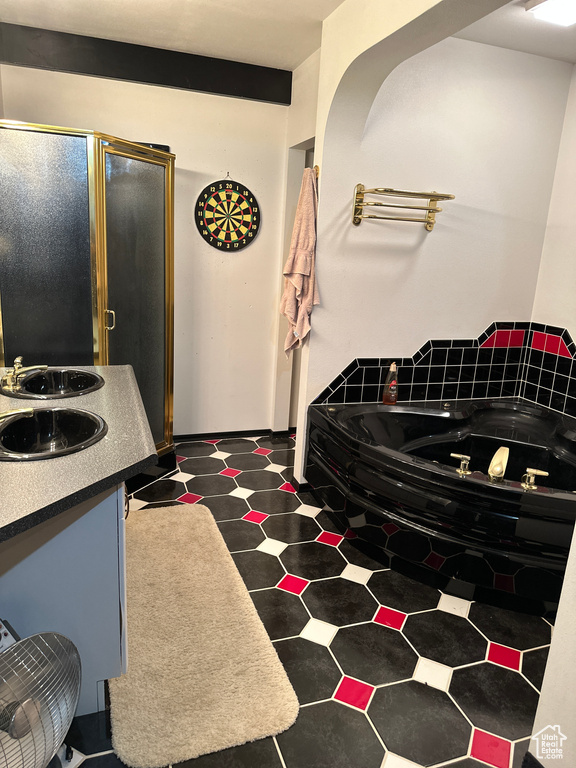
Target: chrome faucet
10	378
498	464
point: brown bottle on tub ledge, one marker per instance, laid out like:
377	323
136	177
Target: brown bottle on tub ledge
390	394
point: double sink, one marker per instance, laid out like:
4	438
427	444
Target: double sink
44	432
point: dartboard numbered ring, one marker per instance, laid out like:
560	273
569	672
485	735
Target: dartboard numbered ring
227	215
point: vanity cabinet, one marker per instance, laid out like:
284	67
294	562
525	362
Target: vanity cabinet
86	274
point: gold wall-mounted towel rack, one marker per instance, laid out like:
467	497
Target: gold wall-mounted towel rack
429	219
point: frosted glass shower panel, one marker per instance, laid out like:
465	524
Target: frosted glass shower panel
135	248
45	267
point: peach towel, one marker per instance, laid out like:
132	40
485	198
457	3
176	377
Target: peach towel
300	291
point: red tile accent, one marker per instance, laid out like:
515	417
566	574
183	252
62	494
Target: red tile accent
504	582
262	451
490	749
292	436
350	534
293	584
288	487
490	341
230	472
517	338
539	341
255	517
552	343
189	498
563	350
390	528
502	339
333	539
181	458
505	657
212	441
434	560
390	618
354	692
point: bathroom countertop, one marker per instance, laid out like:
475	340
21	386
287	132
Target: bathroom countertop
33	491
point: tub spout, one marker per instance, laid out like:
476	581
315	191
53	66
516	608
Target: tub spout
498	464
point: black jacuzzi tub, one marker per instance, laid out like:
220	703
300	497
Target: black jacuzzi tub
387	474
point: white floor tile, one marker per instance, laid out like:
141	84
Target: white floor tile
241	493
136	504
275	468
319	632
308	510
220	455
356	573
455	605
181	477
394	761
272	546
434	674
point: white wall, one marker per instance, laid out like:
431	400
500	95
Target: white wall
459	118
302	113
225	304
554	302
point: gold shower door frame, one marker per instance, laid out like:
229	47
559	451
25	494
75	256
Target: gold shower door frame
97	146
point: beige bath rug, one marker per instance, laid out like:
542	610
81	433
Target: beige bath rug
202	672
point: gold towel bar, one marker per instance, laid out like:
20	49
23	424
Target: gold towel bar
431	209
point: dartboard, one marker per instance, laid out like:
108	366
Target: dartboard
227	215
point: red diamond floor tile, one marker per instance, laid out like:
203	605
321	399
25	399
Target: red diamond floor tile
213	442
230	472
390	618
505	657
390	528
354	692
293	584
255	517
288	487
350	534
189	498
490	749
262	451
181	458
333	539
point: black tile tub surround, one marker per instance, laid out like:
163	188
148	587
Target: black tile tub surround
450	369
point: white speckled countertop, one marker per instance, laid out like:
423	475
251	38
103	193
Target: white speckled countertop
33	491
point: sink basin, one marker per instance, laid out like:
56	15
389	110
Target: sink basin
55	382
46	433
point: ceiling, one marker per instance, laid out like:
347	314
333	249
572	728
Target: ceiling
273	33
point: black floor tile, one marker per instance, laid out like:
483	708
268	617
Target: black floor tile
313	560
161	490
285	458
196	449
260	480
203	465
308	498
323	519
258	569
236	445
339	602
104	761
160	504
291	528
310	667
330	735
90	734
254	754
520	749
516	630
364	554
241	534
496	699
226	507
211	485
276	443
274	502
534	665
419	723
282	613
373	653
445	638
469	762
394	590
244	461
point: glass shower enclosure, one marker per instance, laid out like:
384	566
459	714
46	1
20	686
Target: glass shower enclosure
86	257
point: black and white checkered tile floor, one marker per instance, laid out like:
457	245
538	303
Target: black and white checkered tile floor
390	673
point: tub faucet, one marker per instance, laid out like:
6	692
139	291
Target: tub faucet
498	464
